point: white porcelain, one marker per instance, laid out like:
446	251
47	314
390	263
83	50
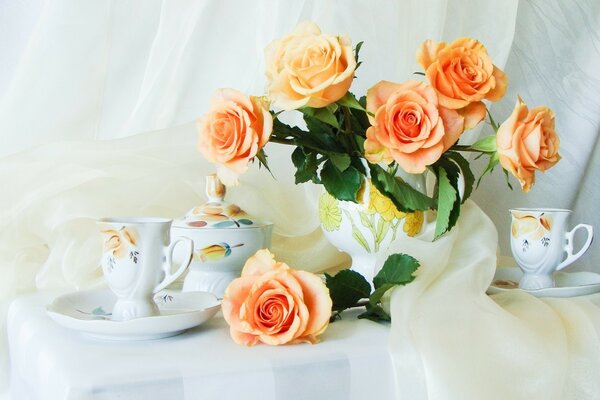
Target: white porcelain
137	262
90	312
568	284
542	244
365	229
224	237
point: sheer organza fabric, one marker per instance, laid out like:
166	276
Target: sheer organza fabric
139	73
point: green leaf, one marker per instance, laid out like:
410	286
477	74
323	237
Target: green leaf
447	195
357	50
350	101
346	288
486	144
468	177
343	185
357	163
376	314
492	122
360	238
340	160
494	160
322	114
285	131
306	165
404	197
383	228
365	221
379	292
398	269
508	179
262	161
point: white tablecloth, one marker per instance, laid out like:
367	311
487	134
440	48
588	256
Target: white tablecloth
49	362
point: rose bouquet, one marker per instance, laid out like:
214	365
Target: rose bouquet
414	125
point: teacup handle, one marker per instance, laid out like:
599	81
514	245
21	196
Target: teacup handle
170	277
569	247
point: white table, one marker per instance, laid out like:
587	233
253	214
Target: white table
50	362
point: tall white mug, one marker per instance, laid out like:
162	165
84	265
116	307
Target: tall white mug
137	262
542	244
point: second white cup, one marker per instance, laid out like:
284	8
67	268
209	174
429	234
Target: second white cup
542	244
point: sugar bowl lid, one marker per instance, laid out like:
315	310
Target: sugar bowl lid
217	213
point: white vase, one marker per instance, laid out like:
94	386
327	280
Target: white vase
365	229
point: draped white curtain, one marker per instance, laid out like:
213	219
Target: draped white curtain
78	73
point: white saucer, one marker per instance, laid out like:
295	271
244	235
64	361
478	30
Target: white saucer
89	312
568	284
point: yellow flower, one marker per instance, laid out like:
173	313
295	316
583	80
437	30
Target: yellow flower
329	212
382	205
413	223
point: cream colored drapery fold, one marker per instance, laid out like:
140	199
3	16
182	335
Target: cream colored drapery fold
143	71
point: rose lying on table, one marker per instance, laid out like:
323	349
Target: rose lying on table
275	304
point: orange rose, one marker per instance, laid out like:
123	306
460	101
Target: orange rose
463	74
235	128
527	142
308	68
408	125
274	304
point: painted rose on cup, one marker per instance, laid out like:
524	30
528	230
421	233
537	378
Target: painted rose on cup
308	68
233	131
527	142
119	242
274	304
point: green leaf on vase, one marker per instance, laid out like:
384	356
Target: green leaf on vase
383	227
404	197
343	185
346	288
360	238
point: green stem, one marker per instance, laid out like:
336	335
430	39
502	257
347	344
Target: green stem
291	142
274	139
459	147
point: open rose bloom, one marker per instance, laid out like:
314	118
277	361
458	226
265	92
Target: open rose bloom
462	73
274	304
527	142
408	125
309	68
233	131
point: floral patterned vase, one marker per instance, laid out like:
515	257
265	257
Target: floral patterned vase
365	229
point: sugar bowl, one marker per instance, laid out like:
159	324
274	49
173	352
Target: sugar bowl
224	237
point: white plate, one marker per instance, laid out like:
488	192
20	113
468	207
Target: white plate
568	284
89	312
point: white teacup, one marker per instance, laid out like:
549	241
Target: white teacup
539	241
137	262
